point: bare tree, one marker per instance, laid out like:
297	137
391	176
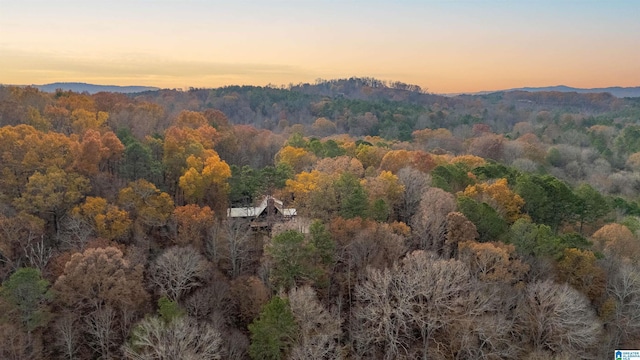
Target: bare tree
427	307
212	242
430	221
16	344
211	301
238	236
380	320
16	233
421	296
74	232
624	289
438	292
177	271
558	319
38	254
415	182
237	345
319	330
182	338
488	336
68	335
101	327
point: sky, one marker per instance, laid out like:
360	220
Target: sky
445	46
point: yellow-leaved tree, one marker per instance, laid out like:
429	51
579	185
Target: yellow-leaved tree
205	180
299	159
499	196
107	220
302	186
148	205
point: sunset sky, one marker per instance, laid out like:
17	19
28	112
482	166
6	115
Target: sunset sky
443	46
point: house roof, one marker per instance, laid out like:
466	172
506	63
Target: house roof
250	211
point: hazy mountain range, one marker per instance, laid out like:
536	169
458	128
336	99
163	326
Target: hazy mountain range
92	88
617	91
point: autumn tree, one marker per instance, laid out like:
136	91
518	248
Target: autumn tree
190	119
297	158
146	203
361	243
498	195
616	241
492	262
249	295
59	118
107	220
387	187
369	155
580	269
100	277
470	161
302	187
36	119
205	180
323	127
52	193
339	165
97	152
26	151
459	229
488	146
83	120
193	224
102	288
395	160
182	142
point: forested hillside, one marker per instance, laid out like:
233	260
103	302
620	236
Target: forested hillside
499	226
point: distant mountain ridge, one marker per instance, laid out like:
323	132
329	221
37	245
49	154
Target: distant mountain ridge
92	88
617	91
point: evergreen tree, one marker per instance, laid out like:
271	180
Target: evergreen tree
26	292
273	332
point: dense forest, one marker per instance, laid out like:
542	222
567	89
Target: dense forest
498	226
